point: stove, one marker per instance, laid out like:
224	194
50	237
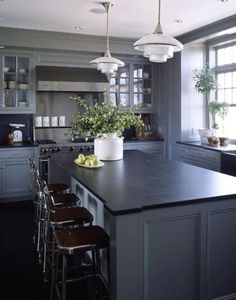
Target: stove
51	148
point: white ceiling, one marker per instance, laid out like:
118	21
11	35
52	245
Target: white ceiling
128	18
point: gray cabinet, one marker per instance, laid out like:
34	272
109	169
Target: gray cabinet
15	177
16	84
156	148
197	156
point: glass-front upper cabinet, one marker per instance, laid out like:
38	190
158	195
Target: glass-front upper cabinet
16	82
120	87
142	85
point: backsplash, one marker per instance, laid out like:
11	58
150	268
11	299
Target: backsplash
26	119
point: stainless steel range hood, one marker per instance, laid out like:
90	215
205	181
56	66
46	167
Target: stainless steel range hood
67	79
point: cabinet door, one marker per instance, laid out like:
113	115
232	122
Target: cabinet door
16	82
142	85
120	87
15	177
156	148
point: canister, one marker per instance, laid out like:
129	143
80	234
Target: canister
38	121
46	121
62	121
54	121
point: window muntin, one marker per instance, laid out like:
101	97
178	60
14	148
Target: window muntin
226	55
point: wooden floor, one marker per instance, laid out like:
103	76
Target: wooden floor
20	273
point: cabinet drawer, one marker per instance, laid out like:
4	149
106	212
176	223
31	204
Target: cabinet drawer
187	152
21	153
213	156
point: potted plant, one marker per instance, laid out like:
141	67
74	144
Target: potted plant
204	83
214	108
204	80
224	109
106	123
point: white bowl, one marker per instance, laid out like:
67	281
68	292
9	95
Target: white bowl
22	71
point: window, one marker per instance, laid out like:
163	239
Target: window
225	69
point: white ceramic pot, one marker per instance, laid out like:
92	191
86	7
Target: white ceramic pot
109	147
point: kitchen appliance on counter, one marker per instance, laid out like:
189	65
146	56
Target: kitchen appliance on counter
17	133
49	149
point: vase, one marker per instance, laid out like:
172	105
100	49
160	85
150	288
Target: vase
109	147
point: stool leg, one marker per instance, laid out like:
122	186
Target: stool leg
45	240
64	273
53	267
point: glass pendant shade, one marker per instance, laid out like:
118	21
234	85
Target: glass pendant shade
157	46
107	64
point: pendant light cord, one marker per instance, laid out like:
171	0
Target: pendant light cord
107	8
159	13
158	28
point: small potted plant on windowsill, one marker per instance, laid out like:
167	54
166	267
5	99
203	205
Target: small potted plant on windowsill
224	110
214	108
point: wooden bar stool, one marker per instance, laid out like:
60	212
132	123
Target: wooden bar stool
60	210
58	188
64	200
78	241
47	203
70	216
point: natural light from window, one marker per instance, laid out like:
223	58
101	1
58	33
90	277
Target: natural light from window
226	85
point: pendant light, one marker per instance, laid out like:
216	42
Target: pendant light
107	64
157	46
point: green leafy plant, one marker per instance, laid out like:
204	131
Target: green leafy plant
224	110
214	108
99	119
205	80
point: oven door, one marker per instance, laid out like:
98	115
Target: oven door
44	167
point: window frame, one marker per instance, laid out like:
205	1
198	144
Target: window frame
212	58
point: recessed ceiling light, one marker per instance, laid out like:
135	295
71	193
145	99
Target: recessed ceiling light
223	0
2	47
79	28
178	21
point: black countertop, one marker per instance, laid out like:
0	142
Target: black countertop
18	145
65	143
140	181
205	146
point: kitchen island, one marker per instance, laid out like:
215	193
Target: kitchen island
172	226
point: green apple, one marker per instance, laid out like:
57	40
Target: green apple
81	159
81	156
95	161
88	162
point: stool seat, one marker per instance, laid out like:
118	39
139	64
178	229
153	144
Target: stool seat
71	215
57	188
81	238
64	199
